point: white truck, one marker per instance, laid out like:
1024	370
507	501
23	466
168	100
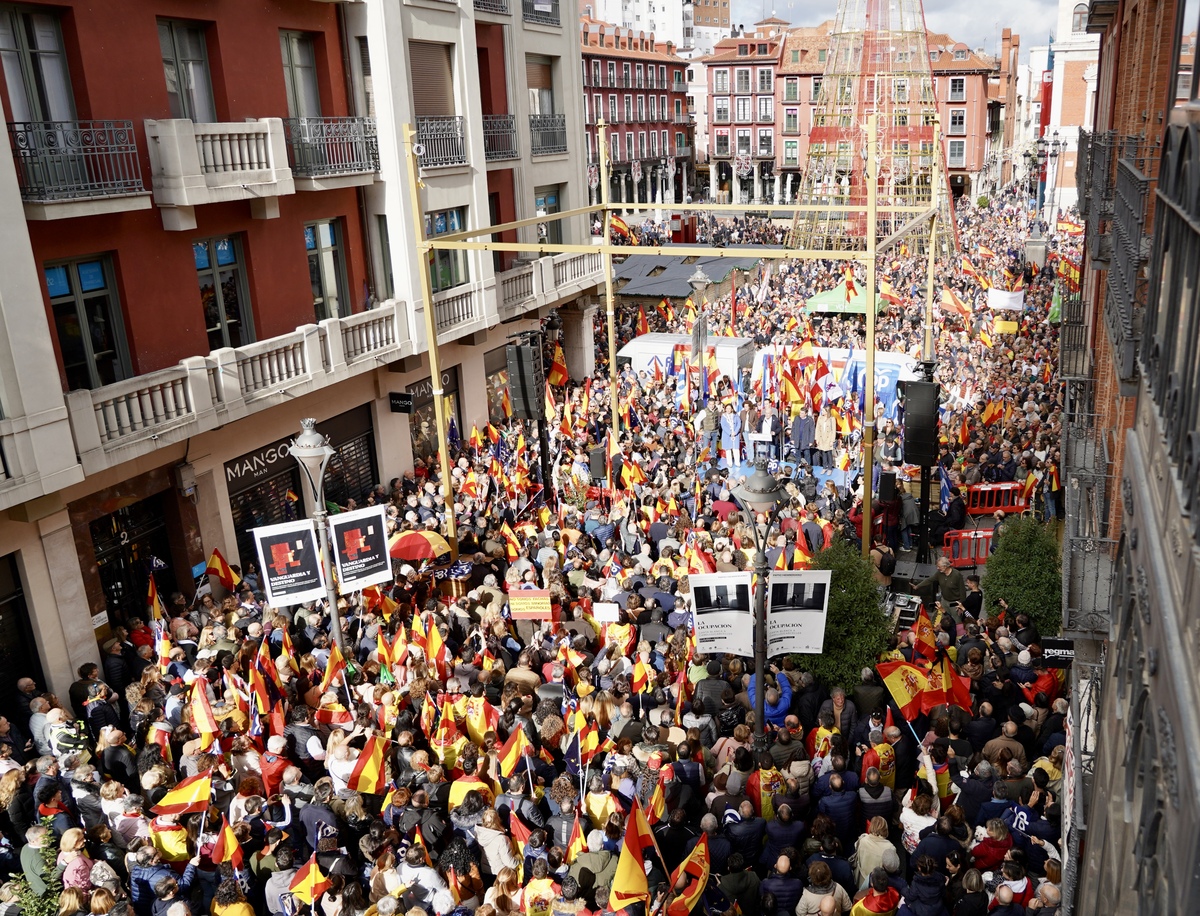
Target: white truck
654	352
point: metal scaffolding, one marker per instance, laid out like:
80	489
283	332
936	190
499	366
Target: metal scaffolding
878	63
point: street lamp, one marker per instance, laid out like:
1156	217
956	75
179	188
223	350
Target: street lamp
761	494
1041	163
699	282
1052	174
312	452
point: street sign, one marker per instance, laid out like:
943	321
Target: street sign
1058	653
400	402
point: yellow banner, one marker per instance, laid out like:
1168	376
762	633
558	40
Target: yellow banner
1006	327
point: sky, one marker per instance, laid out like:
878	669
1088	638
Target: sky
1033	20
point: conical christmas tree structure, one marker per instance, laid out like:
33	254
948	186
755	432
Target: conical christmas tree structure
878	62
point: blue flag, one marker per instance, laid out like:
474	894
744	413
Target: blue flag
944	501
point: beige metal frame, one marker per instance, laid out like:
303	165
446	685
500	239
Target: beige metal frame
462	241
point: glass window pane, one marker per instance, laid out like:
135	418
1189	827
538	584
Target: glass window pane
91	276
231	295
327	234
310	238
57	282
200	254
103	337
70	343
226	252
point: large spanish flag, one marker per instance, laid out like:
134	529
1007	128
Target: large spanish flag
335	666
513	751
154	602
435	653
558	367
190	796
202	714
575	845
369	773
696	868
905	682
219	568
629	883
656	808
309	884
926	643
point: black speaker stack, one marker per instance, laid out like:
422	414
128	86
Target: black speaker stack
921	423
526	381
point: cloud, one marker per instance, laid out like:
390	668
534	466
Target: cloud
1033	20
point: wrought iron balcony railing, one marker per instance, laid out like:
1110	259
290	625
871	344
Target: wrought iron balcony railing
492	6
548	134
1074	351
500	137
75	160
1101	183
323	147
545	12
442	139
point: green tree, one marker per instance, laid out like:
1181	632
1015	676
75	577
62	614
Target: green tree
982	203
856	628
1026	572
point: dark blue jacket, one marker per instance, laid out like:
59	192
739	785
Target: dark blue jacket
746	837
787	889
779	837
142	880
923	897
839	867
936	846
842	807
719	850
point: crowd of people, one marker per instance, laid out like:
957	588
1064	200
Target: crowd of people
520	757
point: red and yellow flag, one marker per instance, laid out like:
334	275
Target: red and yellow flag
154	602
656	808
558	367
905	682
991	413
512	546
926	642
436	652
576	844
370	771
696	868
190	796
309	884
629	883
512	752
219	568
1030	486
227	848
202	714
643	326
335	666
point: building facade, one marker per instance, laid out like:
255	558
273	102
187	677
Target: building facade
213	235
639	89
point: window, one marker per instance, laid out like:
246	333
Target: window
326	269
653	144
927	117
743	109
821	56
791	152
628	108
612	74
795	56
185	66
539	80
546	202
743	142
598	106
900	119
958	89
654	108
743	50
665	135
791	90
300	75
223	295
720	81
762	49
743	81
680	141
629	147
766	108
612	109
35	67
1079	18
900	88
662	75
447	269
650	83
791	121
87	322
640	76
641	107
960	54
625	71
721	110
641	144
764	80
722	144
934	55
595	73
385	251
958	121
765	143
368	85
816	87
958	153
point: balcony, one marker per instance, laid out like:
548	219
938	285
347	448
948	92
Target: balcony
1089	549
679	87
1100	15
1100	181
77	168
1132	240
542	12
547	281
500	7
721	117
454	308
327	153
765	152
500	137
194	164
442	139
682	152
123	421
548	134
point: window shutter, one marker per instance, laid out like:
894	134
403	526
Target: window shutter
433	89
364	58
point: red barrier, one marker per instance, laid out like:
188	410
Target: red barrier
967	548
986	498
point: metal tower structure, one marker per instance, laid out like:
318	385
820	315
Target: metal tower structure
878	63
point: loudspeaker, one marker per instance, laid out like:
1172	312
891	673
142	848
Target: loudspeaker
887	486
596	463
526	381
921	423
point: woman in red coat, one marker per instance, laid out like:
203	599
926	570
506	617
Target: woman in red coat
989	853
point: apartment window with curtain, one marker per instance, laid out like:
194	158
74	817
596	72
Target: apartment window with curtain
720	81
35	66
743	81
185	68
766	108
447	268
744	111
300	75
88	321
221	275
721	109
539	77
743	142
764	80
327	269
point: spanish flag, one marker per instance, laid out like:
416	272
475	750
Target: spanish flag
576	844
844	461
506	404
435	653
926	643
202	714
656	808
964	433
227	848
641	676
643	326
951	303
417	635
1052	475
512	752
291	496
190	796
985	252
957	689
164	647
558	367
309	884
985	336
664	309
481	717
991	413
629	883
619	227
888	293
851	289
335	666
476	440
154	602
512	546
695	868
219	568
1031	483
369	774
905	682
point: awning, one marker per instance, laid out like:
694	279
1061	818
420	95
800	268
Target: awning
834	302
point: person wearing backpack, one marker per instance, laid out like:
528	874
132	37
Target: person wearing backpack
884	559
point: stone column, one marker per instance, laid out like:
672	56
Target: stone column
712	180
579	336
757	183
